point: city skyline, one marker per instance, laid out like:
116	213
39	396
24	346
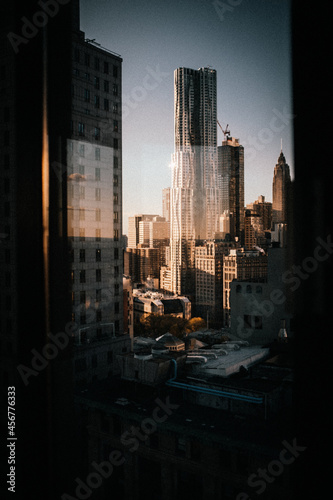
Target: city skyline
249	46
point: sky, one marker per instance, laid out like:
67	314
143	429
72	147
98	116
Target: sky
247	42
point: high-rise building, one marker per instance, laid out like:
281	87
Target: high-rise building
231	173
254	235
264	209
241	264
281	191
209	280
195	193
35	106
94	167
134	228
166	203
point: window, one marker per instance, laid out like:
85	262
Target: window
116	234
115	125
98	215
99	315
116	253
82	255
116	326
97	133
97	174
106	86
82	215
87	59
115	71
238	289
115	89
98	234
97	154
116	271
106	104
115	143
253	322
81	128
86	76
81	150
116	289
98	295
82	297
96	63
115	217
87	95
94	360
257	322
82	236
98	275
96	101
82	276
98	255
115	162
76	55
116	307
81	169
259	289
115	107
115	198
98	194
96	82
115	180
248	289
106	67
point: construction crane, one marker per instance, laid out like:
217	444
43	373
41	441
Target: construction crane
226	132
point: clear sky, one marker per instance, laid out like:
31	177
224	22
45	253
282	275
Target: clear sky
248	42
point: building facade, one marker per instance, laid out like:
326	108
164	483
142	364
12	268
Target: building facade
281	191
264	209
94	193
209	281
195	193
244	265
231	173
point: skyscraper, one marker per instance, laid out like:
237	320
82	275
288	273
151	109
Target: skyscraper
195	192
231	173
94	185
166	203
281	191
60	226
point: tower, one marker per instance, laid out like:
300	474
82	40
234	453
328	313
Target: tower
194	196
231	173
281	191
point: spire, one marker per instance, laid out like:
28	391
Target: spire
281	144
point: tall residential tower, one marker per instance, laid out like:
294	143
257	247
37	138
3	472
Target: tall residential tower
195	194
231	172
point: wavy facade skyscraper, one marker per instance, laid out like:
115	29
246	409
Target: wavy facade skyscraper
195	191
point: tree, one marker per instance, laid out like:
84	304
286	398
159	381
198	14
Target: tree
155	325
195	324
